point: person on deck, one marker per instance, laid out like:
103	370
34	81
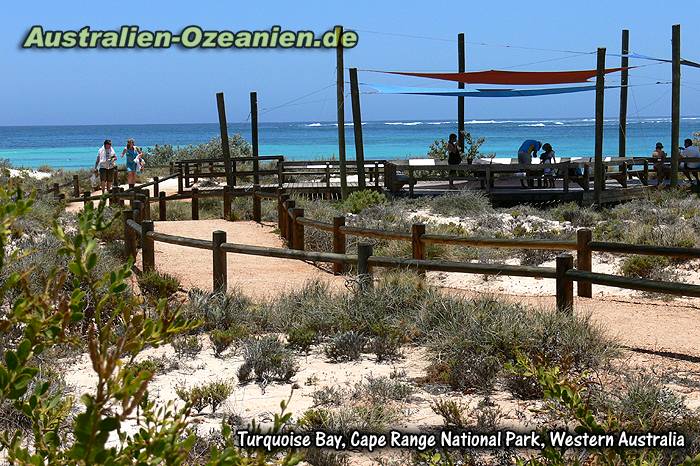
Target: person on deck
692	152
527	151
660	164
132	153
454	156
106	163
548	157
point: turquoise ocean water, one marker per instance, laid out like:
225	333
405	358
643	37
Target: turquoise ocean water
76	146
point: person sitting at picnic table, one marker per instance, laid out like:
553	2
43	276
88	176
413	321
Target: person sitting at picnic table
106	163
527	151
454	156
548	157
660	164
692	152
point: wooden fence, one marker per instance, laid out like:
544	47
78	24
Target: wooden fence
138	232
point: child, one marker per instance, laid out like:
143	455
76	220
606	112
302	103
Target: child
548	157
140	161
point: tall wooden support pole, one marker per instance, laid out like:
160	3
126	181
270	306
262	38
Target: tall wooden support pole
357	127
675	102
223	129
340	94
599	182
461	66
220	278
254	136
624	80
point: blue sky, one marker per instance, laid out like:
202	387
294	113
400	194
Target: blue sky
178	86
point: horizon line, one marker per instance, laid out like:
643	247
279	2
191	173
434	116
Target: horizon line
335	122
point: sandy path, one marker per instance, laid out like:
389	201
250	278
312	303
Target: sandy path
257	276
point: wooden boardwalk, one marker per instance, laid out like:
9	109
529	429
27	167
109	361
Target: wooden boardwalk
504	194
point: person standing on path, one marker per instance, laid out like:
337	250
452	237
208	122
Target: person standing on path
106	162
132	153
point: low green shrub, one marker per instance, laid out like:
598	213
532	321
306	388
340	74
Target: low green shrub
211	394
186	346
158	285
222	339
328	396
346	346
178	210
453	413
219	310
155	365
265	359
464	202
381	389
301	338
358	201
649	267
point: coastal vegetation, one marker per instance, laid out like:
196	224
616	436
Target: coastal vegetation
70	303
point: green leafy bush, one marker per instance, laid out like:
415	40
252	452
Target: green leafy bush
643	266
301	338
157	284
186	346
211	394
358	201
265	359
346	346
222	339
218	310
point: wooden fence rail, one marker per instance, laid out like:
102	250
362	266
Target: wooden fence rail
291	222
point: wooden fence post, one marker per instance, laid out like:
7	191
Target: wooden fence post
338	243
584	260
417	232
156	187
218	238
565	286
172	168
86	195
179	180
257	214
162	207
136	206
147	252
146	203
282	214
195	204
129	243
298	235
364	271
290	204
227	203
76	186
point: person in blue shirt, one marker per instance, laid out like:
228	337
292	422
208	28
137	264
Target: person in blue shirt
527	151
131	152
